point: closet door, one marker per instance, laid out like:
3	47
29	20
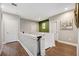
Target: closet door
11	27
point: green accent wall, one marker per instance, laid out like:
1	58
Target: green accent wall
46	22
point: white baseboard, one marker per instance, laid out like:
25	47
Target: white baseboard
8	41
67	43
30	54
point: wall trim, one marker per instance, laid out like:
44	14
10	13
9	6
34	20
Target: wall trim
27	50
5	42
73	44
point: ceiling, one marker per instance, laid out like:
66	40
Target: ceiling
37	11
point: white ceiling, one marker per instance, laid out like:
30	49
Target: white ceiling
37	11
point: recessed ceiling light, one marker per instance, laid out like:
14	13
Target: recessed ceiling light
66	8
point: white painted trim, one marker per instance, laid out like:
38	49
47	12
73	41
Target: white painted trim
67	43
30	54
8	41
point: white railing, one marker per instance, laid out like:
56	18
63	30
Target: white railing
30	42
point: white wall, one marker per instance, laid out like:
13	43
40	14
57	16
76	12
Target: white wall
78	44
28	26
65	35
0	30
0	23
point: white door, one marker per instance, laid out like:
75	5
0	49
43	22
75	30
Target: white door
53	29
11	23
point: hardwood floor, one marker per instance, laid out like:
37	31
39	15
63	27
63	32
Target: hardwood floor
13	49
61	50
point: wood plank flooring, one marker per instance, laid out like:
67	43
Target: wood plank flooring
13	49
61	50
